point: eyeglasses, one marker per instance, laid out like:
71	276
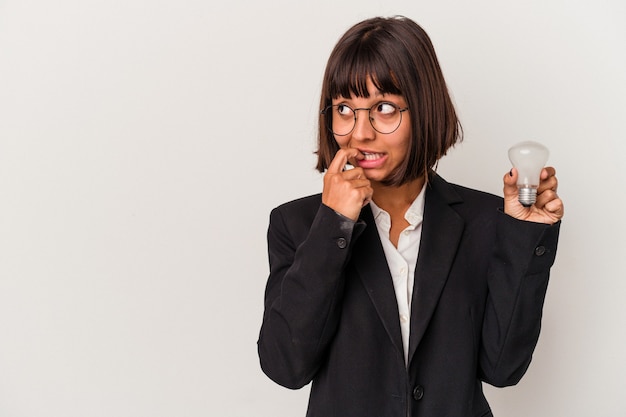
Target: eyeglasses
385	117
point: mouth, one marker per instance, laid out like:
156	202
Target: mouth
372	160
372	156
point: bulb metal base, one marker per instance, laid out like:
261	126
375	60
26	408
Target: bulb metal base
527	195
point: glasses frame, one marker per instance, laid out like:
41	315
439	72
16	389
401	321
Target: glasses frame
325	110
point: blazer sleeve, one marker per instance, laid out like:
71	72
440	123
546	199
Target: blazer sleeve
303	293
517	282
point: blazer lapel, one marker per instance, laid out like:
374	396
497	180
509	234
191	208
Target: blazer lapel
371	265
441	233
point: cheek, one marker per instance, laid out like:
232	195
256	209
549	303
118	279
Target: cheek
402	144
406	140
342	141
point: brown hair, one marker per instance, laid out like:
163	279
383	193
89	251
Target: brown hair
399	57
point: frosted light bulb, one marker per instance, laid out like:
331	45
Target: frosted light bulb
529	158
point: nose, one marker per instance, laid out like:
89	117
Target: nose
363	129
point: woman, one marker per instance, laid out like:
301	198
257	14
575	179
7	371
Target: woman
395	292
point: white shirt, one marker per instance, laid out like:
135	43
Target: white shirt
403	259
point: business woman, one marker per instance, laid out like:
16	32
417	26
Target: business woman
394	292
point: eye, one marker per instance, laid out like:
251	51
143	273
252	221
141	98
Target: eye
386	109
344	110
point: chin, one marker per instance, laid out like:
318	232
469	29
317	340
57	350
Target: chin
376	176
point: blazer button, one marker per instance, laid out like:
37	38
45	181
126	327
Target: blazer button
342	243
540	250
418	392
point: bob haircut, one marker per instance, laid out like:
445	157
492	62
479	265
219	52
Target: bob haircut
399	58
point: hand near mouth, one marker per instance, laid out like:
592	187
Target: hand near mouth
346	192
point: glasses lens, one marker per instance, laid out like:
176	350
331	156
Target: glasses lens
385	117
342	119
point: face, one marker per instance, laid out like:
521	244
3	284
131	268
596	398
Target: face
383	152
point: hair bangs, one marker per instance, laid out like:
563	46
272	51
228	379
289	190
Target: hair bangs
351	74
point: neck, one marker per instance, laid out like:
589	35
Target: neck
392	199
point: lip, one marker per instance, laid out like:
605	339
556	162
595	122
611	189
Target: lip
372	159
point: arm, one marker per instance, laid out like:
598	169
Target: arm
526	241
303	295
305	287
517	280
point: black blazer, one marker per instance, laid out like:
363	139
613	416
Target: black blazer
331	315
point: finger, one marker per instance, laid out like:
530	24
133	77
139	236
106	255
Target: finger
354	160
510	183
550	183
341	158
544	198
338	162
368	193
547	172
355	173
360	183
367	201
555	207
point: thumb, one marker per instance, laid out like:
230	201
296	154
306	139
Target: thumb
510	184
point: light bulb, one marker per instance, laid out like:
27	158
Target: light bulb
529	158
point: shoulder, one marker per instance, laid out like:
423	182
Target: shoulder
471	195
467	202
296	214
455	193
302	203
304	207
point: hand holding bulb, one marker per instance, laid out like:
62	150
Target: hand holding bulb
529	181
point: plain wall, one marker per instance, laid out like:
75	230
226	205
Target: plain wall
143	144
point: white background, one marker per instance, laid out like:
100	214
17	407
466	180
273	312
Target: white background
144	142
